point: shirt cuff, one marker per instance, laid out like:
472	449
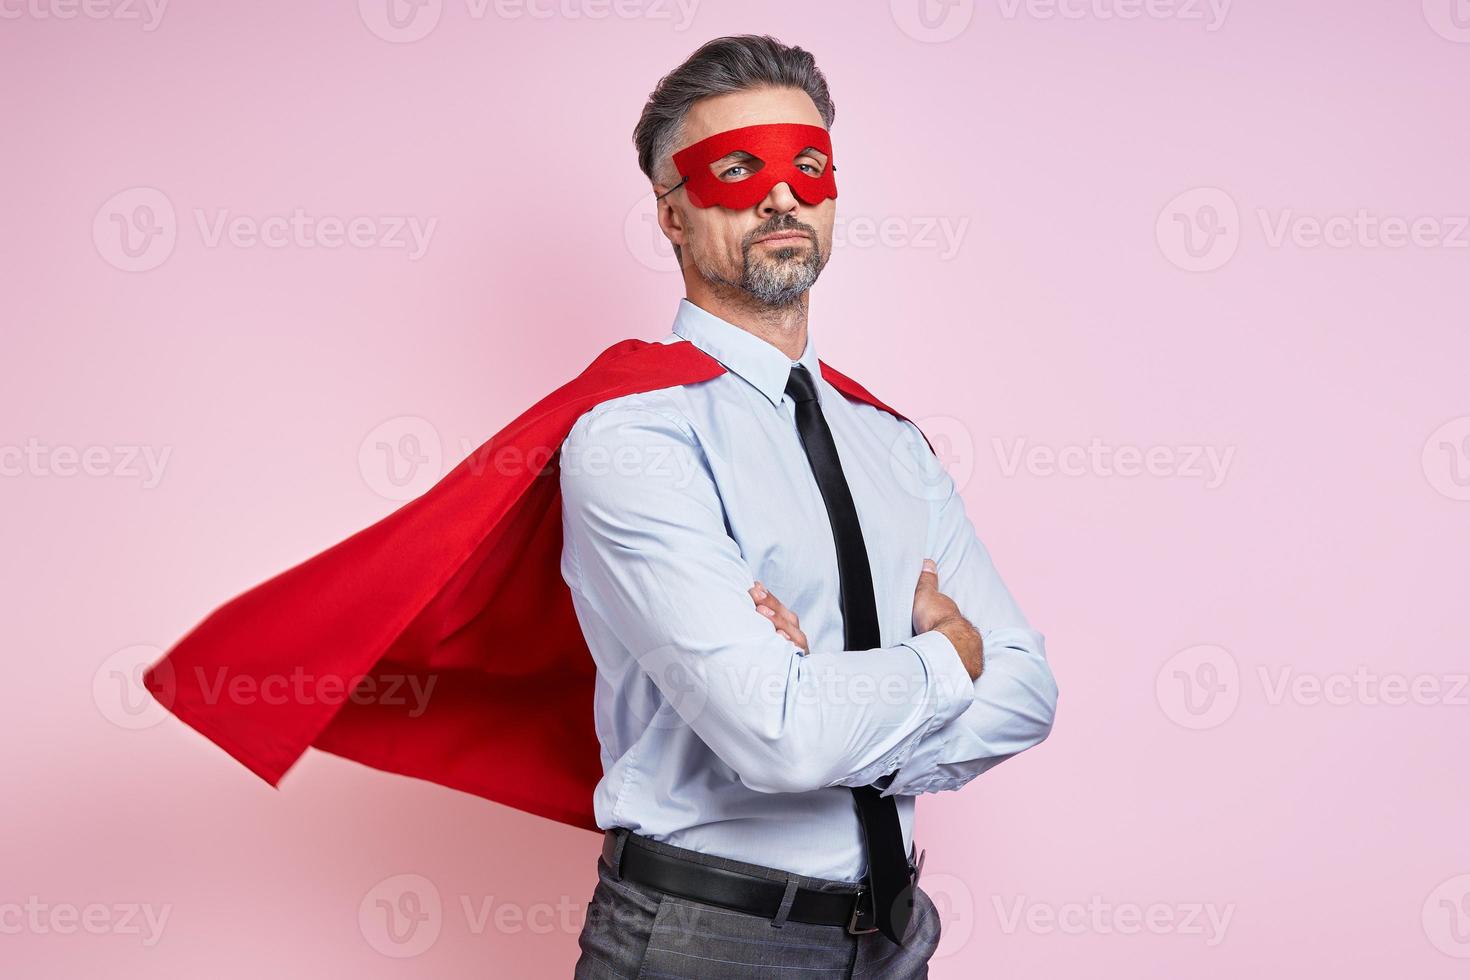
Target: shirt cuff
949	685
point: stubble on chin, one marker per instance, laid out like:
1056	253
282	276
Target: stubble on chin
777	279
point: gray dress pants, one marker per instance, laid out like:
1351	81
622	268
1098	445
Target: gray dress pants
634	932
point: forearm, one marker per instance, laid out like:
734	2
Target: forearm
788	723
1013	710
968	643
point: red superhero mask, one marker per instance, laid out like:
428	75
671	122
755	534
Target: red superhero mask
776	147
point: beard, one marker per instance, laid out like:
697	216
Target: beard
771	277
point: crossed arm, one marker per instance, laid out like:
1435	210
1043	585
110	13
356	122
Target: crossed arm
1015	693
648	552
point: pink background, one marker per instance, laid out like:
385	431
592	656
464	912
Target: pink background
1095	285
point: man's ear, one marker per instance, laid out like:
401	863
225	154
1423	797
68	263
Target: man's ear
669	218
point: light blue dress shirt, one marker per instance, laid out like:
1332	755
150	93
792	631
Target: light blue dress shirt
717	733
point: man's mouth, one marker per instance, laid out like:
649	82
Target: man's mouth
784	238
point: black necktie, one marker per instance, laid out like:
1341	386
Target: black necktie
888	865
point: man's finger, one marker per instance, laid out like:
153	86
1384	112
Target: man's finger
775	612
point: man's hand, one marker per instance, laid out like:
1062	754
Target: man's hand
933	610
782	618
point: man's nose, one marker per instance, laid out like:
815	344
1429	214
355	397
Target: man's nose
780	199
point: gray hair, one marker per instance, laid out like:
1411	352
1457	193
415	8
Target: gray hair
725	64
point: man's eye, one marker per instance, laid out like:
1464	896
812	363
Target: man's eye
815	170
730	173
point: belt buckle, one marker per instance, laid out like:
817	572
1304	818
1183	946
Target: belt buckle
857	906
915	869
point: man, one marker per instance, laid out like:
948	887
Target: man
795	627
713	636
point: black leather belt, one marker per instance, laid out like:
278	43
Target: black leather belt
739	891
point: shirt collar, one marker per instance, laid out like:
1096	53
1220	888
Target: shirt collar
743	353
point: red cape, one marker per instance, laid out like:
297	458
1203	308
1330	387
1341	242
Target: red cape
460	588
